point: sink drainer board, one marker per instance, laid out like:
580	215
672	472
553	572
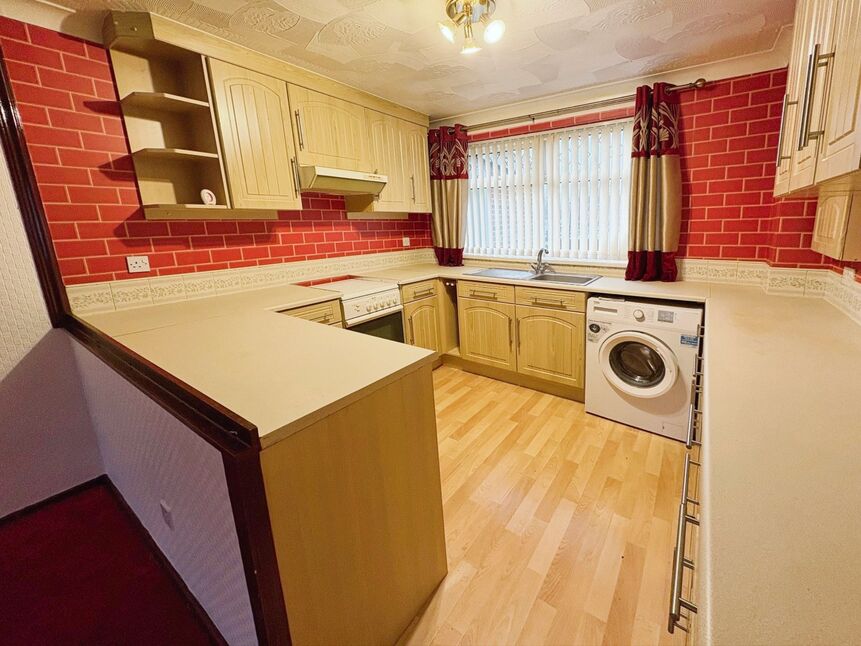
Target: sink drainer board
548	277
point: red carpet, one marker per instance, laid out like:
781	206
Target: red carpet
78	571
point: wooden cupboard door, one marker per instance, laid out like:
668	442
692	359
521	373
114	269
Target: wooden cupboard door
418	165
832	218
819	27
253	117
487	332
840	151
329	131
794	86
422	323
388	157
551	345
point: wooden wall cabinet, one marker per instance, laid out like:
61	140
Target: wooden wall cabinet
329	131
399	151
417	166
167	110
170	109
841	140
837	232
820	138
253	117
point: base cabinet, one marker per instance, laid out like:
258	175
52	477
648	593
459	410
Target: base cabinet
533	336
487	333
550	344
422	323
356	510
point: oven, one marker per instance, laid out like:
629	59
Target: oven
389	326
371	307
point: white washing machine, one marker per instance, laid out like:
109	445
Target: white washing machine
640	360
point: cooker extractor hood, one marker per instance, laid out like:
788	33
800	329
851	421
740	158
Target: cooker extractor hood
323	179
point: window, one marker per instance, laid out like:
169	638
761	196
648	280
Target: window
565	190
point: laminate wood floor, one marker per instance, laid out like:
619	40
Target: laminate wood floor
559	525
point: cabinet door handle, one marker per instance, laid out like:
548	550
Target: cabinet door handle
814	62
299	130
510	332
780	156
518	335
423	293
552	302
295	168
412	331
413	182
482	294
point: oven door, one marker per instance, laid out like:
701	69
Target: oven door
390	326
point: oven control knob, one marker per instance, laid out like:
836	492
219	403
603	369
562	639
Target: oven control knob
368	307
639	315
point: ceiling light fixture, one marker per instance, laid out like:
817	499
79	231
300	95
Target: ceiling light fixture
465	14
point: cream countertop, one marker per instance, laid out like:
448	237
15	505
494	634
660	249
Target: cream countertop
279	372
272	299
686	291
781	483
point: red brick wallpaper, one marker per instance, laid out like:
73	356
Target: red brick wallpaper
729	135
66	97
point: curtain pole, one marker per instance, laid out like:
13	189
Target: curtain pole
591	105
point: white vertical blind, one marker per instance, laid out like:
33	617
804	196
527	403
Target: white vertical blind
566	190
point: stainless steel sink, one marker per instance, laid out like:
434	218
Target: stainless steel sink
568	279
548	277
510	274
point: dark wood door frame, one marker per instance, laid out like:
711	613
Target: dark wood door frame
236	438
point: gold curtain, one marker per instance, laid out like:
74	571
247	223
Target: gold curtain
656	186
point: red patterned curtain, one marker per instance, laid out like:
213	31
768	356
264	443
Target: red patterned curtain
656	186
449	188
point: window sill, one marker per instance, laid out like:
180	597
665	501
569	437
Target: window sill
553	262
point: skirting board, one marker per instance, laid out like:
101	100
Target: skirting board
454	359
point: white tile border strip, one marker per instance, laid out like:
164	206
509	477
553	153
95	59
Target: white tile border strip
141	292
845	295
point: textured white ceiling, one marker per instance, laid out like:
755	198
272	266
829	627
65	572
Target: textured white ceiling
393	48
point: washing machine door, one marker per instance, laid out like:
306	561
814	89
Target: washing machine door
638	364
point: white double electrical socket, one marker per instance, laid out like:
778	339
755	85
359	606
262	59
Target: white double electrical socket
137	264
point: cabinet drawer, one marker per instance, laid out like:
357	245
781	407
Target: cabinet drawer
485	291
555	298
415	291
328	312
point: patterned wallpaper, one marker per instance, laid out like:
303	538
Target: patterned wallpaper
729	143
150	457
67	100
34	360
393	47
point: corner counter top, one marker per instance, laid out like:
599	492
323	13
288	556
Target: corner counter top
780	483
272	299
279	372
